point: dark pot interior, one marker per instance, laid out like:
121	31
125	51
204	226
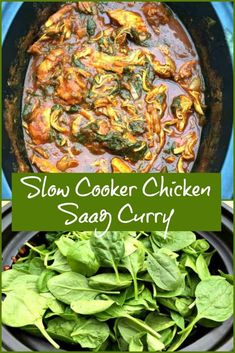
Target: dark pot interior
217	339
211	46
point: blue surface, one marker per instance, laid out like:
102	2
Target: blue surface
224	12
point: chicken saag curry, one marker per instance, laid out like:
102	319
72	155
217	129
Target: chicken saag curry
113	87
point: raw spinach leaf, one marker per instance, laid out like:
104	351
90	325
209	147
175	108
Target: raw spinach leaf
198	247
61	329
134	263
126	330
91	333
59	263
82	259
64	243
43	279
214	301
109	281
90	307
178	319
228	277
174	241
72	286
21	282
36	266
154	344
136	344
9	276
202	268
159	322
25	307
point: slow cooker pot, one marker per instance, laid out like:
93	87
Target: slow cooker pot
217	339
208	24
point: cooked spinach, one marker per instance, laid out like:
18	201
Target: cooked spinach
114	141
77	62
126	291
90	26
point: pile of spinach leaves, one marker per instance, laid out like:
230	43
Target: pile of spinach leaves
124	291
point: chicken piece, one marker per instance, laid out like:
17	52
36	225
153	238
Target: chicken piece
179	150
181	108
87	114
101	165
112	40
103	102
156	13
76	125
119	166
44	165
180	165
156	106
132	21
195	84
46	68
65	163
39	126
120	36
167	124
170	159
41	151
155	119
186	70
38	47
104	127
117	63
161	142
166	70
87	7
150	133
72	86
86	51
188	152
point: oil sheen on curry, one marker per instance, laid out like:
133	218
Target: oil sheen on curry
113	87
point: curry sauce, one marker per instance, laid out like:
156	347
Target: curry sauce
113	87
